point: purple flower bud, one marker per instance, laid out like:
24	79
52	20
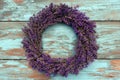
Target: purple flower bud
86	47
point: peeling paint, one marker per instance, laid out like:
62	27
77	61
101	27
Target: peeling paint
115	64
18	1
101	69
7	13
10	39
35	75
11	34
20	8
22	71
15	52
2	3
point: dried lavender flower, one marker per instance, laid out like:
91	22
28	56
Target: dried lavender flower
86	48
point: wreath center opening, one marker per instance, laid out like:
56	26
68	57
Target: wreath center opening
59	41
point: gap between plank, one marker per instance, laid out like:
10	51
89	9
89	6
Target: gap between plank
91	20
95	59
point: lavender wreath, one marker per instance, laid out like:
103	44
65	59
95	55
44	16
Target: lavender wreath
86	48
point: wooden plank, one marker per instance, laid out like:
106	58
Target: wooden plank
18	70
11	37
98	70
21	10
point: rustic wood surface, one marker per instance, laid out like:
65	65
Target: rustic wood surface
11	34
14	14
98	70
21	10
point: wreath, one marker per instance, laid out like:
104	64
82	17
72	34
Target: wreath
85	49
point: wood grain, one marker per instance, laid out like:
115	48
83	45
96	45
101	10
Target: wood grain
19	70
21	10
98	70
13	64
11	37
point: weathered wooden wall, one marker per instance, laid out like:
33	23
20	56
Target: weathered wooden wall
15	13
